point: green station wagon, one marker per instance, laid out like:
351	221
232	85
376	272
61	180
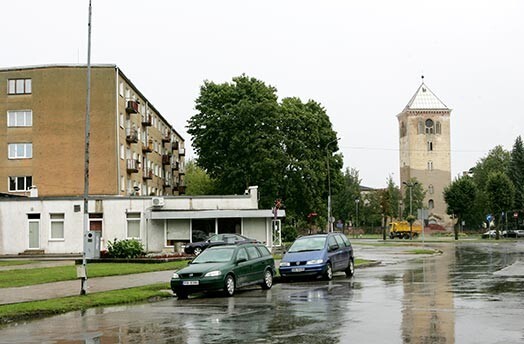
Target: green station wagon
225	268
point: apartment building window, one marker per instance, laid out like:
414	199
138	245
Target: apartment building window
20	150
122	152
122	183
57	226
121	89
122	120
17	184
133	225
19	86
19	118
128	93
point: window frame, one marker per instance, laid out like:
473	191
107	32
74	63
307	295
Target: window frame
27	114
13	86
131	217
15	156
17	189
54	221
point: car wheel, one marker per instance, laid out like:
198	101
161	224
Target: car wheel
229	285
182	295
350	270
268	280
197	251
328	275
406	236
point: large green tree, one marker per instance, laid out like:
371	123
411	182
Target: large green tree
501	194
243	136
235	136
516	172
460	197
344	202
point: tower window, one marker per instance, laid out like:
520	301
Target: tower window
438	128
430	165
420	128
402	129
431	204
430	146
431	189
429	126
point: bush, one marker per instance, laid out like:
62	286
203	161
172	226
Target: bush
289	234
129	248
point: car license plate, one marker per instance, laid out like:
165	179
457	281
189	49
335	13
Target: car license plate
298	270
190	283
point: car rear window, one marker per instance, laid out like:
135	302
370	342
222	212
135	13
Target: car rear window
264	251
340	241
345	238
252	252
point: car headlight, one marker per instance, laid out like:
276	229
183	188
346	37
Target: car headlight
213	273
284	263
315	261
175	275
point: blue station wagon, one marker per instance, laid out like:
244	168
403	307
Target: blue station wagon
318	255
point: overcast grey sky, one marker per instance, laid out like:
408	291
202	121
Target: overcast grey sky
362	60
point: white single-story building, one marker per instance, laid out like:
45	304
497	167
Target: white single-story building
56	224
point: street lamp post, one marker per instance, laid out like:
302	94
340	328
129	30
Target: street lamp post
330	223
410	186
357	200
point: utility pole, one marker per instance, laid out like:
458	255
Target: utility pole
410	186
330	223
83	290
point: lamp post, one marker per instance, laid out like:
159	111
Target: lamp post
410	186
330	223
357	200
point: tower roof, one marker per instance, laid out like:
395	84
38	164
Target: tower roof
424	99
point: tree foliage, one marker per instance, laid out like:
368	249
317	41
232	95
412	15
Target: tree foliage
197	181
344	204
460	197
516	172
243	136
500	192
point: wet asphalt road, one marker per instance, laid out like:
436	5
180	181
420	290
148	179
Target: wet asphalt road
472	293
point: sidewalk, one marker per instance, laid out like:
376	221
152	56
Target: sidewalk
72	288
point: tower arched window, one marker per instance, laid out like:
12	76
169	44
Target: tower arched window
430	165
431	189
430	146
430	126
438	128
420	127
431	204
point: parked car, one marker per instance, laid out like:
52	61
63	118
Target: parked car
318	255
512	233
225	268
216	240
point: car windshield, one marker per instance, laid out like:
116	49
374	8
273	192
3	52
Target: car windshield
215	255
308	244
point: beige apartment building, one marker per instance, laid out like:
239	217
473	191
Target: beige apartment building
134	150
424	128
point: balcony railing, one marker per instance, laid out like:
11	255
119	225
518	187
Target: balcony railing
131	135
181	151
132	165
132	106
166	159
146	120
166	138
174	145
147	174
175	166
147	148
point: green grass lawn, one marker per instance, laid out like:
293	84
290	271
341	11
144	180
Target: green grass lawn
18	278
25	310
16	262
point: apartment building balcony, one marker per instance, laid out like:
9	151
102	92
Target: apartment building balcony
175	166
166	138
132	106
132	165
147	148
166	159
146	120
174	145
167	184
147	174
131	135
181	151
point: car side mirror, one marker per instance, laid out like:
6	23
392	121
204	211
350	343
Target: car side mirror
333	247
190	262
